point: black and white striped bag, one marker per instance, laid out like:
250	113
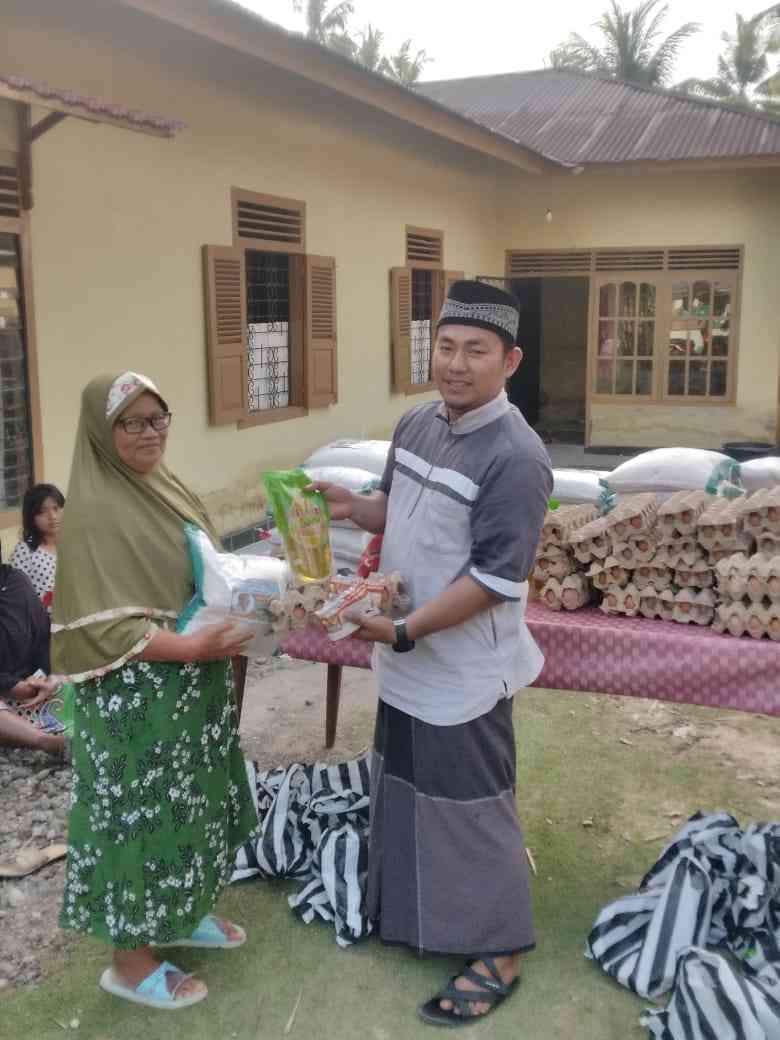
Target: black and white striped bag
712	1000
636	940
313	828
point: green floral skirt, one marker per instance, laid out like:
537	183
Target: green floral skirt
160	801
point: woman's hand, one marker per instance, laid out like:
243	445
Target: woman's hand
220	641
34	691
340	500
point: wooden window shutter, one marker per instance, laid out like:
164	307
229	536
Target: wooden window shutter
442	282
9	192
320	336
401	327
226	333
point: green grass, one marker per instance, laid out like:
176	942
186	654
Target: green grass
573	768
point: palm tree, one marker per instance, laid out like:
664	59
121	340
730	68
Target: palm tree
369	53
328	26
744	76
629	47
404	68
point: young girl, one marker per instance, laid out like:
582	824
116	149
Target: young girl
36	554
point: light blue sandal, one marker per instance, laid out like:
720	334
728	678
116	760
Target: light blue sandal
209	936
153	991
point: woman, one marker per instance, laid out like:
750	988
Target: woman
36	554
160	796
24	664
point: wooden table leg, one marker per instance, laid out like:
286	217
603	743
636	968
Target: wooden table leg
239	682
332	697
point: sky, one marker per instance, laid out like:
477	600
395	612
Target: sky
490	36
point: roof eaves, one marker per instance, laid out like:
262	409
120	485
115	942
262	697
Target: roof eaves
257	37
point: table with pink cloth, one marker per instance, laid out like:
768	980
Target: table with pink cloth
586	650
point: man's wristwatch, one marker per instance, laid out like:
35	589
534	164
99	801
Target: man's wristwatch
402	642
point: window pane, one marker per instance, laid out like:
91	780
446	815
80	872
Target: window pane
646	300
604	371
607	336
698	339
627	300
268	326
624	377
718	378
720	344
697	378
644	339
626	333
681	300
15	439
676	377
644	377
608	301
700	304
722	294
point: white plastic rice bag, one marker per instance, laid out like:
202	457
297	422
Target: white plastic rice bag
571	486
674	469
370	455
761	473
352	479
347	546
229	587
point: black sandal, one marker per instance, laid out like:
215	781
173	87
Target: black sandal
492	990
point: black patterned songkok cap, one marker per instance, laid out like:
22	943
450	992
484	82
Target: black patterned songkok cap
484	306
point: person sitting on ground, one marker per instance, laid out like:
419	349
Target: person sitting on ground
36	553
24	663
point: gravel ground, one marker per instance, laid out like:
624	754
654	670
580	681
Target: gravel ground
36	796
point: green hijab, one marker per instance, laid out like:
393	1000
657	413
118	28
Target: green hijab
122	558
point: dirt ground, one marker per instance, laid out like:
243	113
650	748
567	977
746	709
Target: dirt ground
283	721
283	716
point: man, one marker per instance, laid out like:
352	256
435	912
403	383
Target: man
461	506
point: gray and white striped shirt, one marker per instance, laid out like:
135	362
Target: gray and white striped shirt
467	497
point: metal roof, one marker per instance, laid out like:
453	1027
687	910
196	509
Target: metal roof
582	119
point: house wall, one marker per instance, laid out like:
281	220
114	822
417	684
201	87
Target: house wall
120	218
602	210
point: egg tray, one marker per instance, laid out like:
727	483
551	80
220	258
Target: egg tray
561	522
685	606
756	578
590	542
571	593
737	619
554	567
678	515
760	511
633	514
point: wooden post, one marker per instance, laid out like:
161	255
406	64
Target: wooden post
332	697
24	163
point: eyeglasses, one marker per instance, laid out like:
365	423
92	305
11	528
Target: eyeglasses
137	423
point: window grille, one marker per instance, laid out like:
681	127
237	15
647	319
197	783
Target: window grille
268	323
422	315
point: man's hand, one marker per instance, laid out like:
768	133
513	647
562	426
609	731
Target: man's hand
339	499
373	628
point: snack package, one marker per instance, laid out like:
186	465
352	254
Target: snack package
379	594
302	518
229	586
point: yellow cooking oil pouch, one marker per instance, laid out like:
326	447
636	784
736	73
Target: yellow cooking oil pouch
302	518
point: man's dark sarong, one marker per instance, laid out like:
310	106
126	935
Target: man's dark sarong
447	868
